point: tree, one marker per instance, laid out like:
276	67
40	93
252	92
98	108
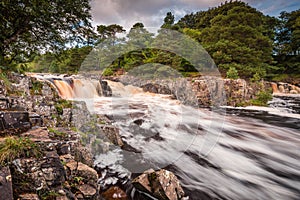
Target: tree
109	31
29	26
168	21
233	34
288	43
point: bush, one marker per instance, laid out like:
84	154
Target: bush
108	72
262	98
14	147
232	73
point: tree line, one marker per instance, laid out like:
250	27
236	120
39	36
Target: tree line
55	37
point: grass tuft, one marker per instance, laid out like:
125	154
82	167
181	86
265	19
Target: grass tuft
15	147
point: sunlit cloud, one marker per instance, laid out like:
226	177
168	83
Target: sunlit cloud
151	13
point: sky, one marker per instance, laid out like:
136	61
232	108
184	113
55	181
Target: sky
152	12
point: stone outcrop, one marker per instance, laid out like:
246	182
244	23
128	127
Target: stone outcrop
284	88
5	184
204	91
59	171
14	122
161	184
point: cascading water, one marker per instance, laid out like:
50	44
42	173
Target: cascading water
243	154
73	87
254	155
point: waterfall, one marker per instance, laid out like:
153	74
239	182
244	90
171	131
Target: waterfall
77	88
274	88
73	87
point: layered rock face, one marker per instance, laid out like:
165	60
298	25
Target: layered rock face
62	168
204	91
285	88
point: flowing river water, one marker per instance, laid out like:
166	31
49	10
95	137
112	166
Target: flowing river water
231	153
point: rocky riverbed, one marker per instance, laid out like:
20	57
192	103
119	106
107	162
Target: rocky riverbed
47	146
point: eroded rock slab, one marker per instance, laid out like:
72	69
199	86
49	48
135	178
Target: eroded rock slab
14	122
162	184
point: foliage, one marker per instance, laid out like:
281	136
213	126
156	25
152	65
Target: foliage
287	46
168	21
61	104
31	26
108	72
233	33
16	147
262	98
57	133
232	73
36	87
6	81
67	61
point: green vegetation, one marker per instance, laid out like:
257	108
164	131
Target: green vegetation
262	98
108	72
57	133
232	73
16	147
61	104
27	27
48	195
6	81
236	36
36	88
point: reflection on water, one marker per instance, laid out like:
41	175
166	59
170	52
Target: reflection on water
243	154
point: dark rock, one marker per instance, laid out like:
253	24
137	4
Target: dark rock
161	184
63	149
35	119
4	103
106	90
6	192
14	122
138	121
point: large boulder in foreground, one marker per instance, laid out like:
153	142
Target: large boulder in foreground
162	184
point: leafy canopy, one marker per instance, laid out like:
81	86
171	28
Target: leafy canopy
30	26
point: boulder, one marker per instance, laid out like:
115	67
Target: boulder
14	122
87	190
6	192
161	184
114	193
87	174
112	134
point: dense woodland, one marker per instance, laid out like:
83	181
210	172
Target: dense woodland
243	42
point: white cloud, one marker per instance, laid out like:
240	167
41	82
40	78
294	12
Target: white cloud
151	13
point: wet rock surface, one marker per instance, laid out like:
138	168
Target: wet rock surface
64	169
161	184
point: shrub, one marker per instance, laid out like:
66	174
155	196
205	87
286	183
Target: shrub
262	98
232	73
108	72
15	147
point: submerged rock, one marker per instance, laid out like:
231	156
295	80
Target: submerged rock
161	184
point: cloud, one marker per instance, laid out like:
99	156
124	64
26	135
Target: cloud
151	13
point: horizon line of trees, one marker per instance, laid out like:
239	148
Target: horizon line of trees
236	36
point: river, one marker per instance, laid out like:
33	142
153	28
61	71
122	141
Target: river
238	153
228	153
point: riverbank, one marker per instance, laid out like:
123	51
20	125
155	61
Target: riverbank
48	143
